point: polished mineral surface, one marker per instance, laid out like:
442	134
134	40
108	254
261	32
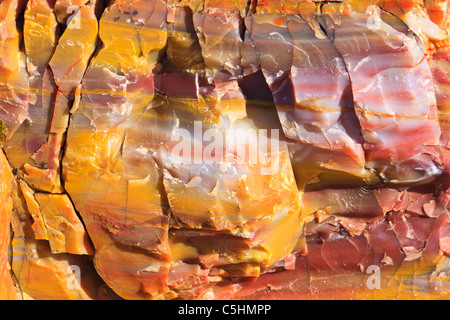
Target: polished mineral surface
207	149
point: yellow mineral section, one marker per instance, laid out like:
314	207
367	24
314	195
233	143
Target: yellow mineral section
7	290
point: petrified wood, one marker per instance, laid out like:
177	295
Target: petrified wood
207	149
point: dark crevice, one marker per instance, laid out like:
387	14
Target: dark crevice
248	10
78	214
251	6
64	146
350	111
242	29
20	20
164	199
322	24
399	25
99	45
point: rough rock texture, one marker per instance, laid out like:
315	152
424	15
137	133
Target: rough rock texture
165	149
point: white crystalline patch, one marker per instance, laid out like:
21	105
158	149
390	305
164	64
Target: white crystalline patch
371	137
421	25
33	99
124	109
374	20
142	150
275	34
194	182
31	67
154	267
361	63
